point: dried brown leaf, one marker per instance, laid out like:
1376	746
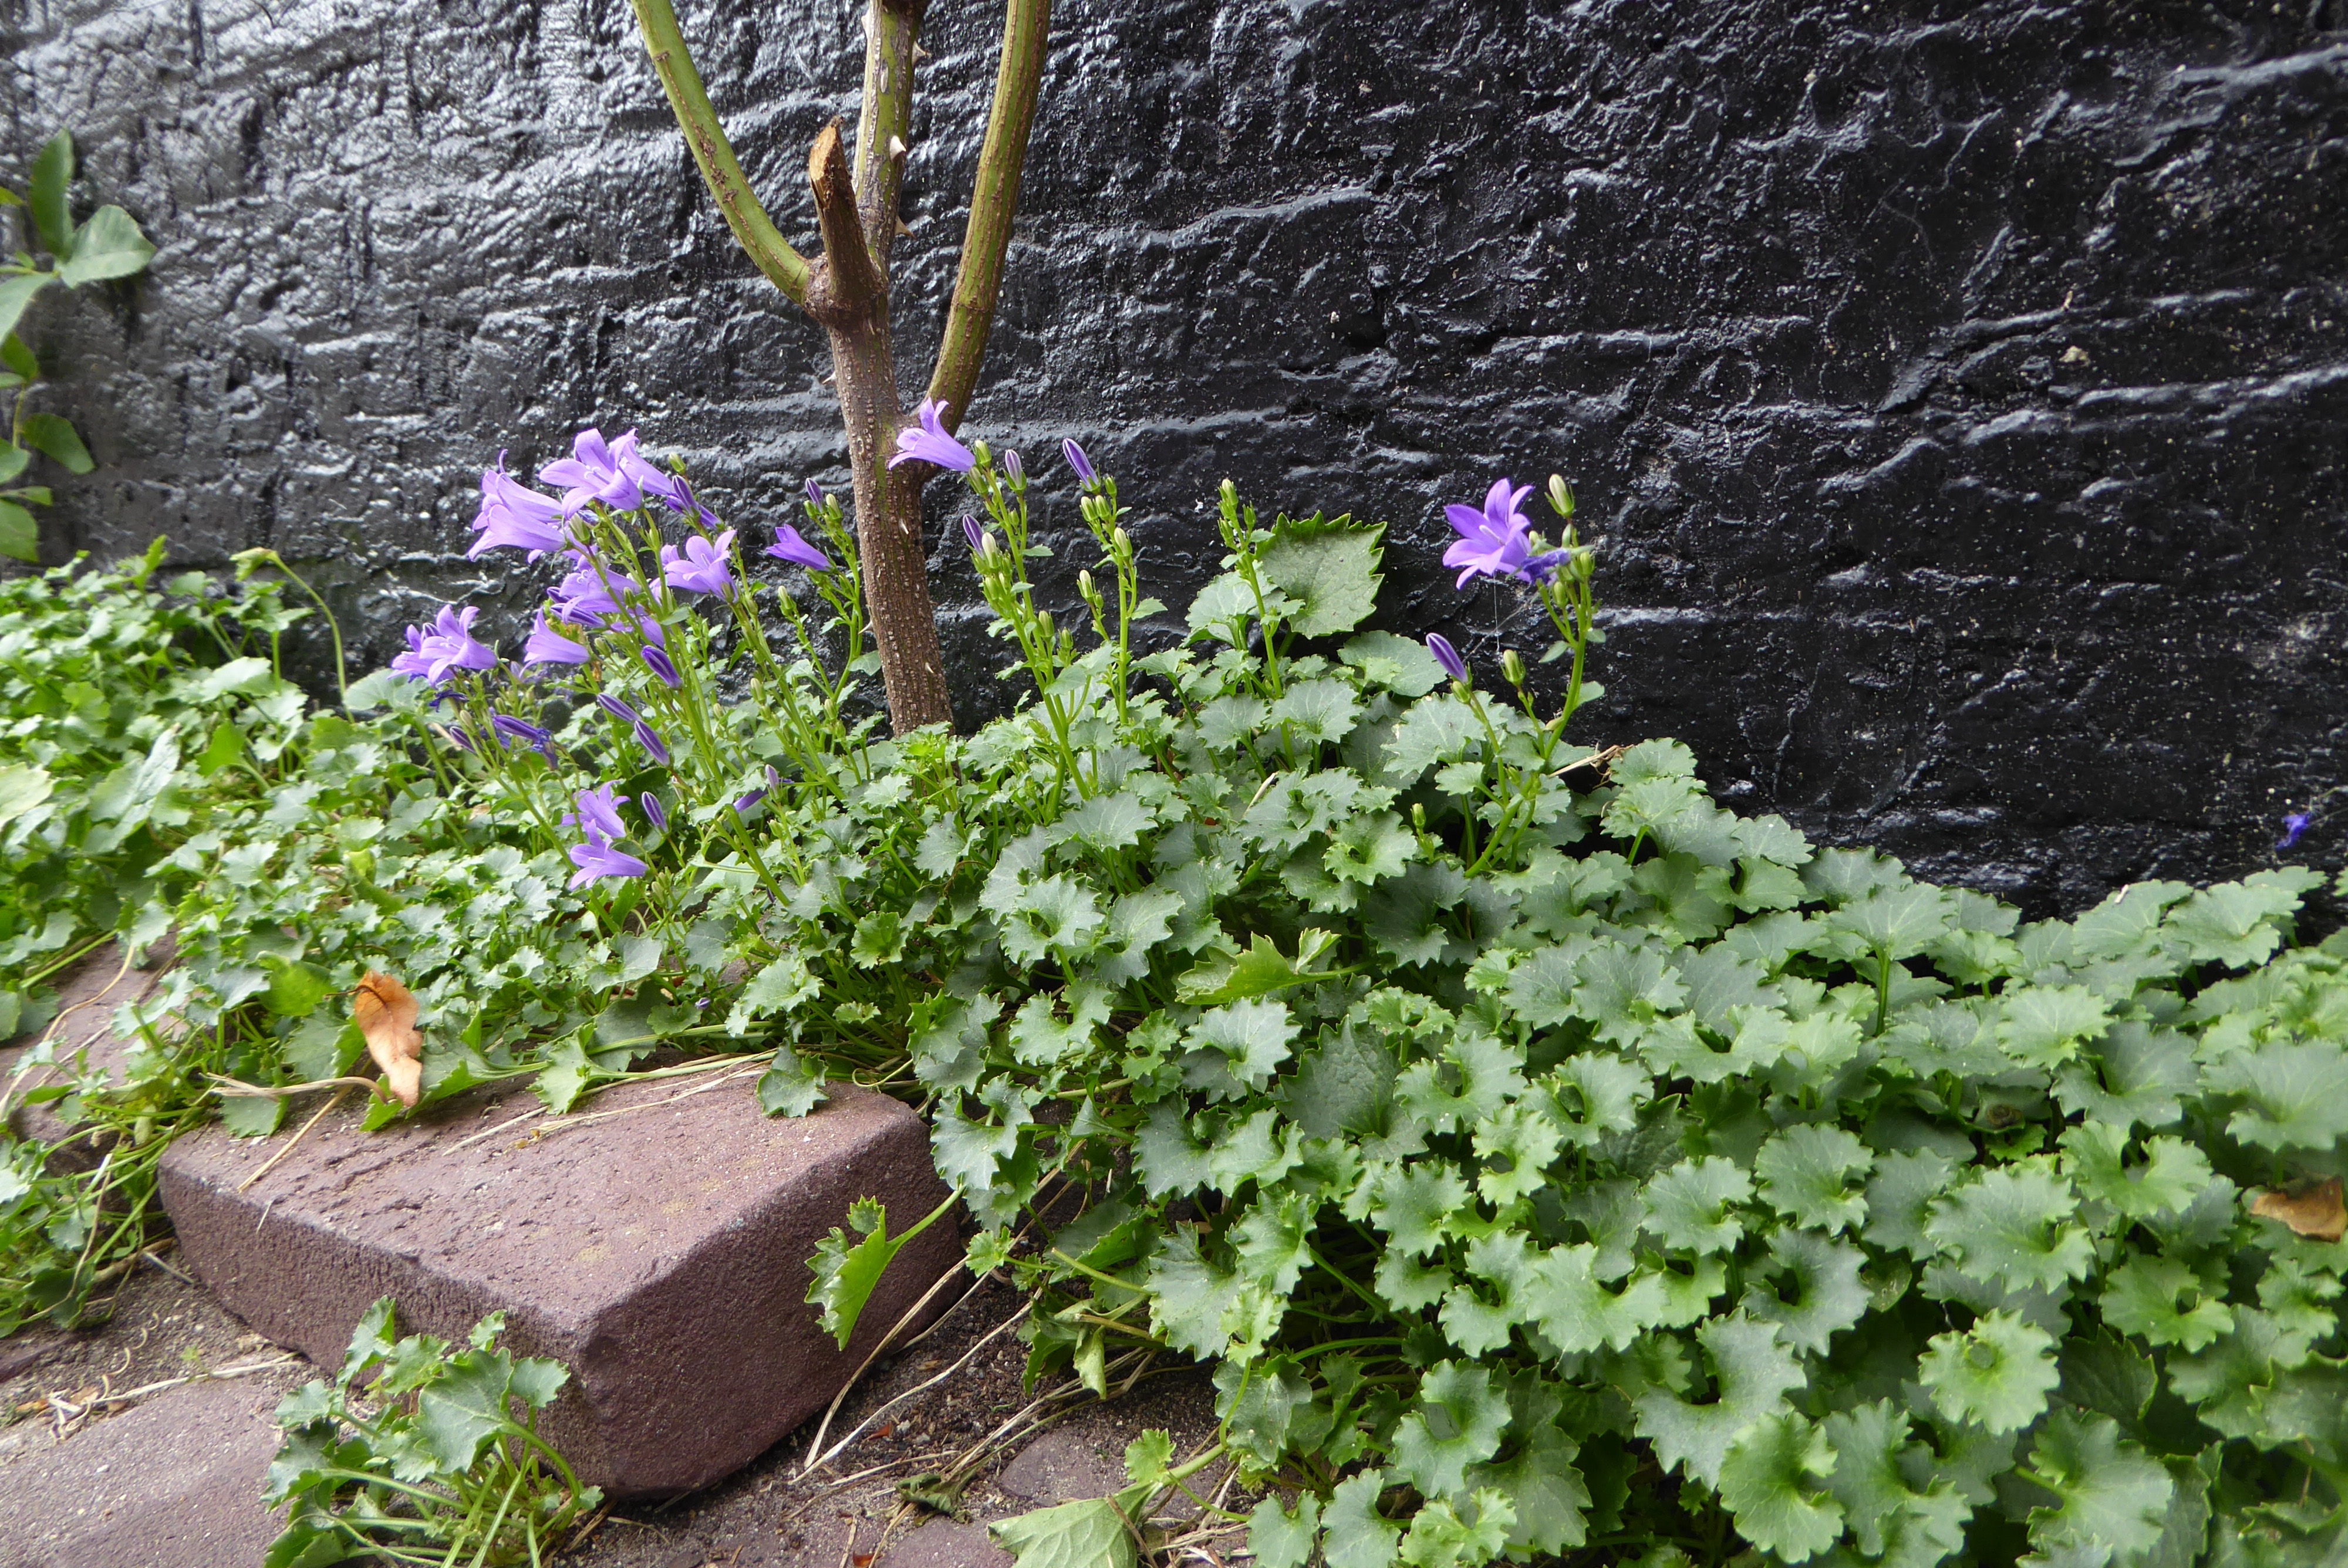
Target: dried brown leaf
2311	1209
385	1011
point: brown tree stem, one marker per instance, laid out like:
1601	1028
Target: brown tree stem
886	119
848	294
993	199
714	155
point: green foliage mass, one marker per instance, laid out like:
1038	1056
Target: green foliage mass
1552	1162
415	1453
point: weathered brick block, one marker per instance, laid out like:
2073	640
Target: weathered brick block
661	1252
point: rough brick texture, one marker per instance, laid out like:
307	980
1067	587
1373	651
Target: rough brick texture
1960	387
661	1253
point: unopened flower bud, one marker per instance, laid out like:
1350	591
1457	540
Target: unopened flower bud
1078	461
1561	496
1085	584
1512	667
987	548
1585	561
1044	619
815	495
1016	470
1120	541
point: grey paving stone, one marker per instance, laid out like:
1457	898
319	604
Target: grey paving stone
946	1543
174	1482
662	1252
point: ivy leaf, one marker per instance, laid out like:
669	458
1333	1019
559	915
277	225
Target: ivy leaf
1401	664
2174	1173
1330	569
2133	1074
1897	922
2010	1225
1806	1173
1597	1096
1899	1200
1688	1206
1442	1536
457	1416
1252	1035
1189	1296
2146	1296
1368	849
1754	1374
1457	1422
1053	916
1089	1533
1416	1206
1873	1461
1281	1537
2044	1026
1487	1075
1771	1480
2113	1497
2296	1094
1624	989
2240	923
846	1274
1997	1374
1521	1139
1354	1534
1549	1497
1827	1294
792	1085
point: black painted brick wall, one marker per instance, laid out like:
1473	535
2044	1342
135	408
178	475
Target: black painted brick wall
1960	390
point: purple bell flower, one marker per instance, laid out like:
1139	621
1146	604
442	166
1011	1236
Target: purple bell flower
2295	827
450	646
932	443
1446	655
464	742
655	813
590	592
703	566
513	517
652	742
597	471
789	546
1078	461
744	804
546	646
598	812
520	732
815	495
661	665
617	709
653	480
1492	542
596	859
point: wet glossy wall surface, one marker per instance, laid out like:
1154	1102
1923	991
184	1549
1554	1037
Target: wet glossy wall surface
1960	390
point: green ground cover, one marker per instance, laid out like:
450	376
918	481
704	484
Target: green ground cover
1551	1162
